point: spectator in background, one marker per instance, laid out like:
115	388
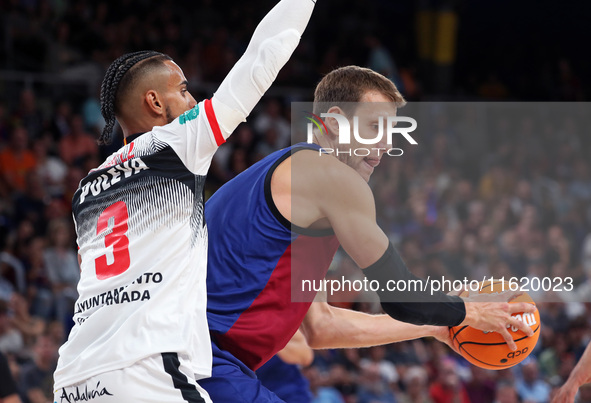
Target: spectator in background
11	340
344	379
415	382
29	115
238	162
481	388
580	187
377	355
496	182
554	350
506	393
244	138
36	377
476	214
62	267
77	145
40	294
451	255
91	110
271	118
522	197
373	387
56	331
16	161
321	391
31	204
60	122
448	387
30	327
8	389
268	143
51	170
511	253
531	388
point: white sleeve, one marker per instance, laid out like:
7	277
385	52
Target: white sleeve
194	136
197	133
271	46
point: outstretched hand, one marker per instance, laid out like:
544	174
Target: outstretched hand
565	394
484	312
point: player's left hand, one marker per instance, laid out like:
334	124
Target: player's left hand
565	394
441	333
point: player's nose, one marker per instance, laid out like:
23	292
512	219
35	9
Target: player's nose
192	101
383	143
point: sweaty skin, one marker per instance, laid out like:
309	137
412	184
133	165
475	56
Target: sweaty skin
330	192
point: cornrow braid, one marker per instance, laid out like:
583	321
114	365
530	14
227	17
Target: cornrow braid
110	85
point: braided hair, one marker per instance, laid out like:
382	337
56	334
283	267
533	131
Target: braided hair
111	86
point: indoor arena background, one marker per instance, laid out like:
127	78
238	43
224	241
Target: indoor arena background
519	197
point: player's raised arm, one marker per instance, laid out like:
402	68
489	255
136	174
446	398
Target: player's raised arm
271	46
346	200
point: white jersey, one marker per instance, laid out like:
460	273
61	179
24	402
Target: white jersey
143	243
140	226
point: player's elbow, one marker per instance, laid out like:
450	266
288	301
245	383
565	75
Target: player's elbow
313	337
307	357
273	54
318	334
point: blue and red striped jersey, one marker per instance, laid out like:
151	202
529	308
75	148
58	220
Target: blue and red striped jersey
253	254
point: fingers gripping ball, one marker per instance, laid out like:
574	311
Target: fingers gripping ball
488	349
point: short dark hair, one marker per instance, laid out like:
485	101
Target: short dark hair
119	78
348	84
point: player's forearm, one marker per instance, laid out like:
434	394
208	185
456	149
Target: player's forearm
418	305
352	329
274	40
581	374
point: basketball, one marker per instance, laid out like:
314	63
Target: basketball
488	349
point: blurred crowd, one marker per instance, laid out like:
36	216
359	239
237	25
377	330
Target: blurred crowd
511	197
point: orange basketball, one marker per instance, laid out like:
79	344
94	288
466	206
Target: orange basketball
489	349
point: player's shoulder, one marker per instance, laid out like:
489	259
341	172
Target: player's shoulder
326	173
324	167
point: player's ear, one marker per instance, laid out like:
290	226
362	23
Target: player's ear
331	123
154	103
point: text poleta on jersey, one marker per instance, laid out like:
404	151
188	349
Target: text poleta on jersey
390	127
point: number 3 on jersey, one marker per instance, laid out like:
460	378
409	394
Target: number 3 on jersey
114	218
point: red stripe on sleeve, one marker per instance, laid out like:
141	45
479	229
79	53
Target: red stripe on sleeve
213	123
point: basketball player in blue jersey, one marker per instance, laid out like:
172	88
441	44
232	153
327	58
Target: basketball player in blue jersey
140	332
267	225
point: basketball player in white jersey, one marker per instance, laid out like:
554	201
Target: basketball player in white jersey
140	332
